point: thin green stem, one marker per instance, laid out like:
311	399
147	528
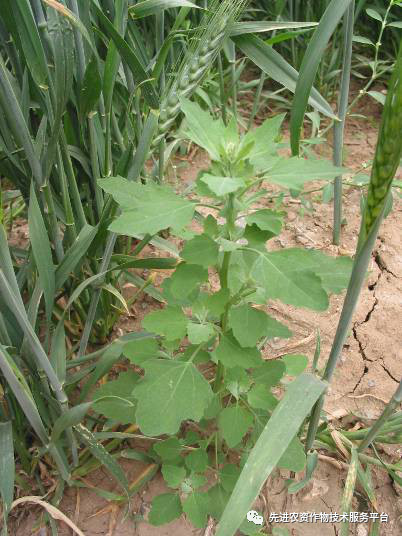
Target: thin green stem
339	126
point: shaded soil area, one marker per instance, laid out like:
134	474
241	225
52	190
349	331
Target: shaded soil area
367	376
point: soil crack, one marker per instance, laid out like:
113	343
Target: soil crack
381	361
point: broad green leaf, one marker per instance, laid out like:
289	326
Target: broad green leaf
173	475
146	208
295	364
260	397
266	220
269	373
228	476
273	64
170	322
164	509
249	324
187	278
308	70
170	392
221	186
121	405
294	172
218	498
264	138
214	303
294	458
197	461
270	447
154	7
334	272
139	351
374	14
41	251
202	129
198	333
233	423
363	40
7	466
379	97
201	250
283	276
237	381
195	506
168	449
193	482
231	354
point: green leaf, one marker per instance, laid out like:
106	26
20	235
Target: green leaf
195	506
228	476
193	482
146	208
187	278
264	138
139	351
100	453
283	276
270	447
164	509
170	322
295	364
69	418
218	498
269	373
234	423
250	324
197	461
237	381
231	354
170	392
294	172
273	64
374	14
173	475
214	303
198	333
294	458
260	397
154	7
7	466
363	40
221	186
308	70
142	78
41	251
240	28
201	250
334	272
121	406
91	87
168	449
267	220
202	129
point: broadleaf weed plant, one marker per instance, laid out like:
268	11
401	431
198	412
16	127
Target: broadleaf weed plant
207	396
